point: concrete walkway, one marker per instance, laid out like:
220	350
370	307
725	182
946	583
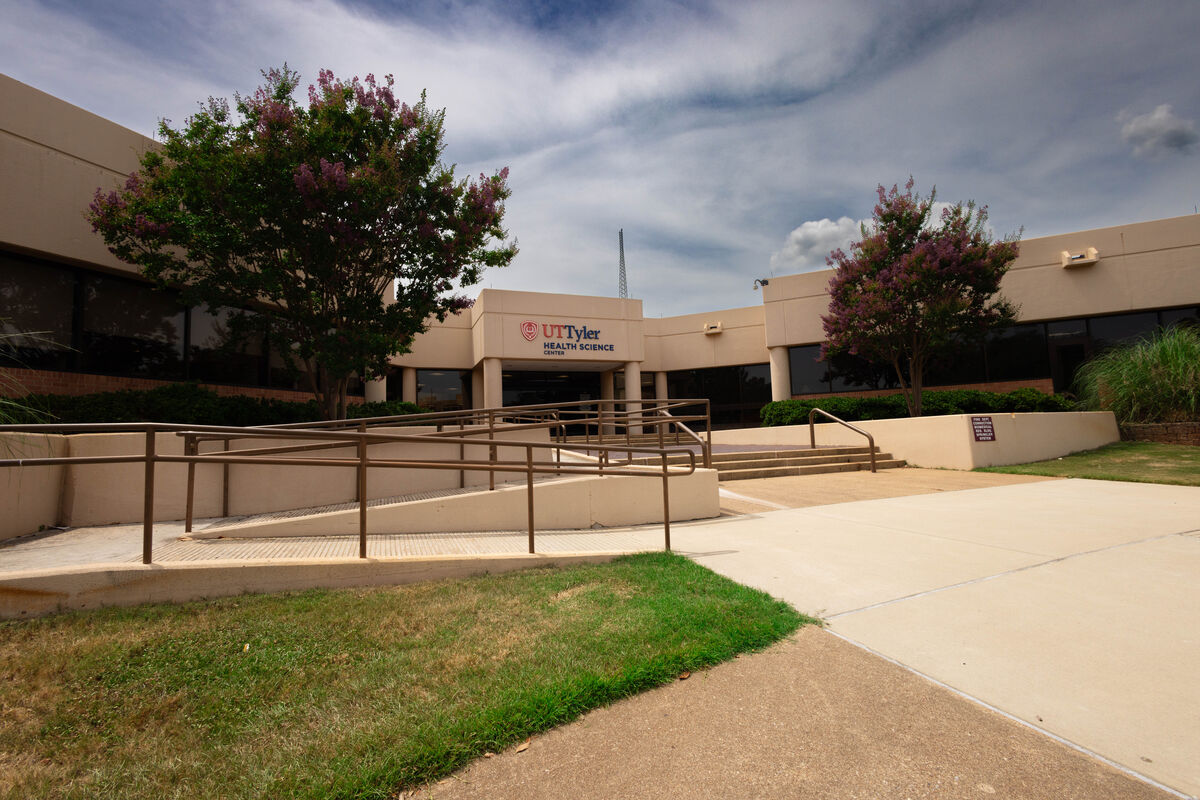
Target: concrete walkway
1071	606
812	717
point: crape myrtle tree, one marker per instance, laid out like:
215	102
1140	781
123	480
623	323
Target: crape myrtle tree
913	289
312	213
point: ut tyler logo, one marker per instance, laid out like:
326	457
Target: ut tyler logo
529	330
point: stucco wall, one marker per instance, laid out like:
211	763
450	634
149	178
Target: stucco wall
1152	264
497	316
30	496
102	494
54	156
674	343
1142	265
573	503
948	442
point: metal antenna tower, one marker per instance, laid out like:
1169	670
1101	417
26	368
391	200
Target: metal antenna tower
623	290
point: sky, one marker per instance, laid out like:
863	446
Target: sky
730	140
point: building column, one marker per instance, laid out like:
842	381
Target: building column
781	373
607	392
493	383
633	391
375	391
660	386
408	385
477	386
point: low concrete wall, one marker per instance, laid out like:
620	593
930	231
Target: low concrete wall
572	503
949	441
30	497
38	592
103	494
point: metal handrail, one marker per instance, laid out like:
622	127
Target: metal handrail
558	416
705	444
328	436
812	431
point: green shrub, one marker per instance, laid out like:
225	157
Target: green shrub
187	404
1151	380
953	401
386	408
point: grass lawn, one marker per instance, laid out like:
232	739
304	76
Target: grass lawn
1144	462
350	693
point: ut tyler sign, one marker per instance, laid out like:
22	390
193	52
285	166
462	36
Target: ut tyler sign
560	339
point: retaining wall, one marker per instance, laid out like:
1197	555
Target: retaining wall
950	441
1164	432
104	494
38	592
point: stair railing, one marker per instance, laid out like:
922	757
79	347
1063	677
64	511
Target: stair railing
812	431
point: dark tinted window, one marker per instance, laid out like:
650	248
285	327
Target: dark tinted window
735	394
1109	331
809	376
1017	353
36	303
1066	329
961	364
532	388
1180	316
851	373
443	389
225	347
131	329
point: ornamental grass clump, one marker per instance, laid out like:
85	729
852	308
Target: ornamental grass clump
1151	380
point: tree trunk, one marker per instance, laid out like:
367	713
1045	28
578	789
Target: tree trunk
326	396
916	371
331	394
904	387
343	388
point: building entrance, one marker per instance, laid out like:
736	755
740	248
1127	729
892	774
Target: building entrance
523	388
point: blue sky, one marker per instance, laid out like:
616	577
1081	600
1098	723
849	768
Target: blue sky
730	140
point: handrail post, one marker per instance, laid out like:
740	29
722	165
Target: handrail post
529	490
666	505
362	498
707	435
812	436
225	484
148	500
462	456
190	448
492	449
362	428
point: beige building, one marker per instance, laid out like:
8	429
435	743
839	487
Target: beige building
1077	292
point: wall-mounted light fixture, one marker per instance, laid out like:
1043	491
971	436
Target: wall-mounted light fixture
711	328
1088	256
760	282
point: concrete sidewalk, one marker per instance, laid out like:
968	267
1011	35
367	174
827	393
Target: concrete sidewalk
812	717
1068	610
1072	605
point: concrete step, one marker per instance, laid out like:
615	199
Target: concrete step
749	455
638	441
795	459
814	469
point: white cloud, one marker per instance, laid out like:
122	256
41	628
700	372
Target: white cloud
1158	133
808	245
705	130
